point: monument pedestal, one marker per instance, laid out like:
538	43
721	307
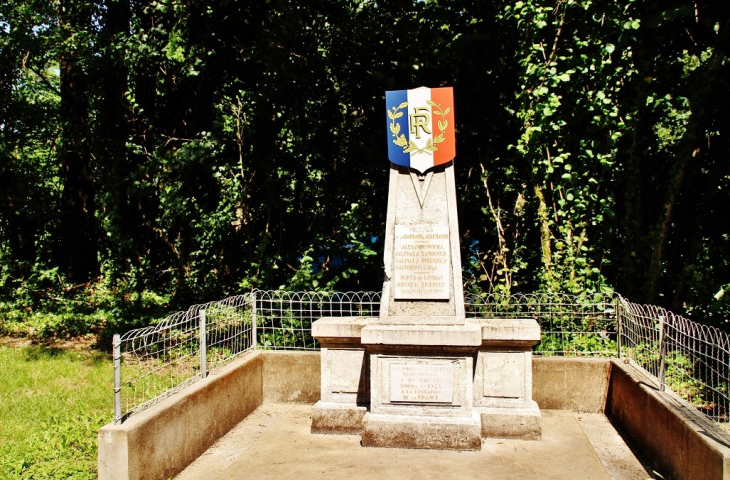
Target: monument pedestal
421	386
503	379
427	386
344	376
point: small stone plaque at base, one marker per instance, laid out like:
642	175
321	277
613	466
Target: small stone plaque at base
416	383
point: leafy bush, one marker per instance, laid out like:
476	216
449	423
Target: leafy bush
45	307
286	332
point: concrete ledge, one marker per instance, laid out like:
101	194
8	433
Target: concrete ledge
570	383
340	327
520	423
159	442
681	442
434	335
337	418
405	431
522	331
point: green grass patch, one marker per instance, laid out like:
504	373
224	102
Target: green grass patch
53	403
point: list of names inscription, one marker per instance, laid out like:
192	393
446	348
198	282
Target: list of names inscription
422	258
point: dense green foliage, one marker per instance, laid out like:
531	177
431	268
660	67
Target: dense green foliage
54	402
156	152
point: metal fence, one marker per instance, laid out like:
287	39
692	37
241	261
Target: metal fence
685	357
570	325
284	319
154	362
688	358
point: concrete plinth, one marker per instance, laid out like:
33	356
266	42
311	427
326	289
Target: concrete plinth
480	370
421	387
414	431
345	392
524	423
503	379
337	418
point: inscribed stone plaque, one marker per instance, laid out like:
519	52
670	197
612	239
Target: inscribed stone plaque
421	262
422	383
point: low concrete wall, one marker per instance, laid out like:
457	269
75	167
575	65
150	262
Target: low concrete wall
681	442
570	383
161	441
559	383
292	377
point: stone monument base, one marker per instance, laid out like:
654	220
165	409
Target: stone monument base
413	431
427	386
337	418
523	423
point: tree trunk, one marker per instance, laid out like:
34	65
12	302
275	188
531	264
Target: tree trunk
78	246
689	151
113	130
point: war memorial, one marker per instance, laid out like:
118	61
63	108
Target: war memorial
420	390
420	375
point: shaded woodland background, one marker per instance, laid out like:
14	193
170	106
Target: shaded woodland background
159	153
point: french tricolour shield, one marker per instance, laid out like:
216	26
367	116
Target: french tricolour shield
421	127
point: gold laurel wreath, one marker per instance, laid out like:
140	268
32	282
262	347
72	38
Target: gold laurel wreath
410	146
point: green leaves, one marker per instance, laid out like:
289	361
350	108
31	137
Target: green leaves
570	98
235	145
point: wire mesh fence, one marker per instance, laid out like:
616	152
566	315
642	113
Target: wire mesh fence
284	319
154	362
570	324
690	359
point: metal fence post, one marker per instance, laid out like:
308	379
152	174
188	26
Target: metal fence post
117	356
203	346
662	353
618	326
254	332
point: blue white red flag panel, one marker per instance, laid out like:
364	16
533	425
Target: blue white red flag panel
421	127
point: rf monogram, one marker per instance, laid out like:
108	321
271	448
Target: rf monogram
420	118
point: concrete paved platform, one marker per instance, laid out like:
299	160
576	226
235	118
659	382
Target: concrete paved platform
274	442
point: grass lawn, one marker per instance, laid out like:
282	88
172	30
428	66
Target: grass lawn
52	402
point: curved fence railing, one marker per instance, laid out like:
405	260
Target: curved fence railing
688	358
570	324
154	362
284	319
